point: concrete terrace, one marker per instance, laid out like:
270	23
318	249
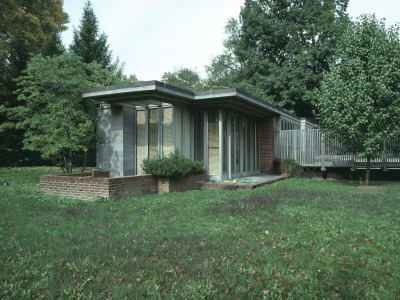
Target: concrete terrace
244	183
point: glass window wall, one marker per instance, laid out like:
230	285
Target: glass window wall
178	129
198	135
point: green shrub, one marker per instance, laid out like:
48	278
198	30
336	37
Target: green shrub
291	167
174	166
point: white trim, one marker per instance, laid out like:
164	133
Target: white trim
219	95
189	97
119	91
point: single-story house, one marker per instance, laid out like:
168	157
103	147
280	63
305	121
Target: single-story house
231	131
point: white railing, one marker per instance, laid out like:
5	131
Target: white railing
309	148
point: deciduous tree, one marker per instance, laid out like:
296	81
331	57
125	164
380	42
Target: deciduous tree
279	49
184	78
359	101
26	26
56	121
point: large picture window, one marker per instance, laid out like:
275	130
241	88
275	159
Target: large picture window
227	141
240	145
198	135
178	129
154	133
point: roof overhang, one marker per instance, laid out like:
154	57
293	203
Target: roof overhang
138	92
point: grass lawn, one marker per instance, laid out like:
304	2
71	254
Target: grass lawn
297	238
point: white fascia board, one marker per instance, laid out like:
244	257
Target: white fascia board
137	89
190	97
249	99
271	108
213	96
175	93
120	91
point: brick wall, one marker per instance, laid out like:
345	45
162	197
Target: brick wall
86	187
267	129
189	182
132	186
78	186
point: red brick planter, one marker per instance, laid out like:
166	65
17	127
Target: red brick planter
189	182
87	186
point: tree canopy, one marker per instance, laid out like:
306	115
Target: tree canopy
277	50
360	96
88	42
26	27
184	78
56	121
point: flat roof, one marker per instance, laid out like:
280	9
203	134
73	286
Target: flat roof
163	92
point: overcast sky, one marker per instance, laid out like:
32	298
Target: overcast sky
156	36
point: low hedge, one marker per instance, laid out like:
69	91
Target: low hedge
173	166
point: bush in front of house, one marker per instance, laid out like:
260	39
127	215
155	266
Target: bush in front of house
173	166
290	167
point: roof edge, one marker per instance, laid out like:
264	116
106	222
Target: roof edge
154	85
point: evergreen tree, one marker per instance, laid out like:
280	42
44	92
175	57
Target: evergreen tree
280	48
88	42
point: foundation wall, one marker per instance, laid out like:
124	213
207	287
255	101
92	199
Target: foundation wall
190	182
78	186
89	186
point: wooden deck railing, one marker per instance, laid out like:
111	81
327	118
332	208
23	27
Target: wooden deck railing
309	148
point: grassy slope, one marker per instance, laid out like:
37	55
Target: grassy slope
296	238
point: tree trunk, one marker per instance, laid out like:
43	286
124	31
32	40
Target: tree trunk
84	162
70	162
65	168
368	171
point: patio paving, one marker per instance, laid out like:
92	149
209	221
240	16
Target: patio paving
246	183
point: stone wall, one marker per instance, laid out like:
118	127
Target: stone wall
116	146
